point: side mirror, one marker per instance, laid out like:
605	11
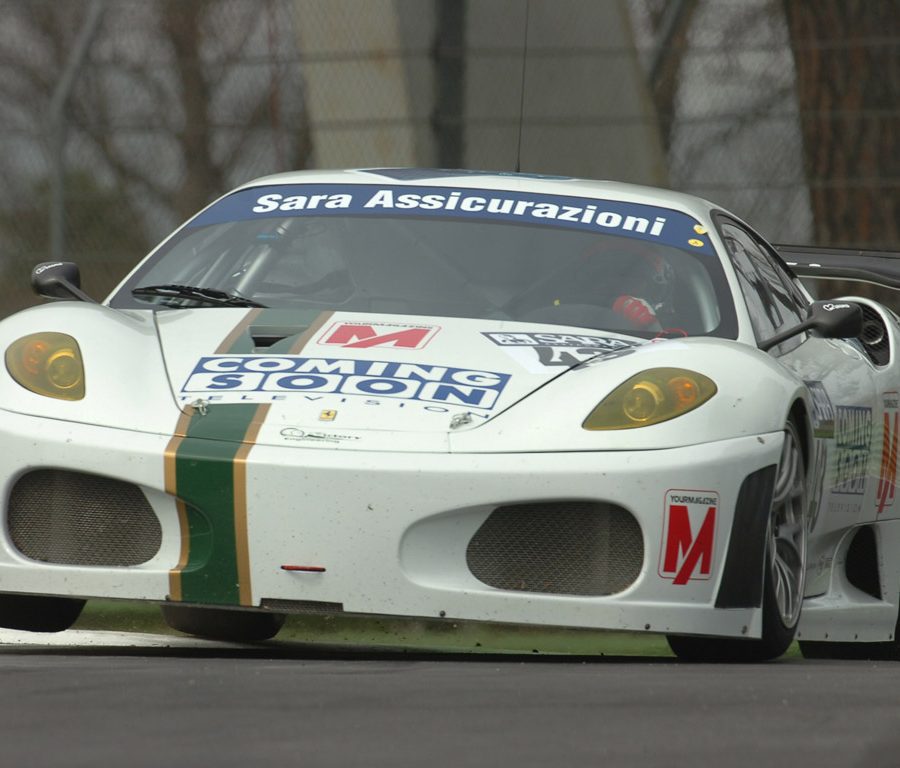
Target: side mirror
836	319
831	319
58	280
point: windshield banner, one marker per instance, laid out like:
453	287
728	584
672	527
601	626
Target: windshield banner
644	222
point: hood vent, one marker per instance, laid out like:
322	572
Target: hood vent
265	336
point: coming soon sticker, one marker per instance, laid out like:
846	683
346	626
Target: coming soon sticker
237	378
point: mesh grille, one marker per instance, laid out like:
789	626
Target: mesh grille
569	548
875	337
71	518
311	607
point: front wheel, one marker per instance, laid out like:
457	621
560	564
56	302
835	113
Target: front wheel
784	571
234	626
39	614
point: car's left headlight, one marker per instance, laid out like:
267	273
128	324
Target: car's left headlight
48	364
650	397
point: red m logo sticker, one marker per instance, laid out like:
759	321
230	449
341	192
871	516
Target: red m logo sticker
687	555
359	336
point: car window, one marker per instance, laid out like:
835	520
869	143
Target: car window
773	302
784	285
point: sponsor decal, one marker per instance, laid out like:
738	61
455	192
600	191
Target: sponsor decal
602	343
852	441
823	410
365	335
887	475
328	414
817	480
644	222
565	357
236	376
335	400
820	566
557	349
44	267
689	534
846	506
823	429
612	355
312	436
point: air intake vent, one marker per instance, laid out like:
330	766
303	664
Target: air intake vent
874	336
564	548
70	518
308	607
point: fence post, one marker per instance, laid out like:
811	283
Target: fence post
58	129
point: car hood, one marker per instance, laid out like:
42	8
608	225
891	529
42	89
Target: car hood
357	380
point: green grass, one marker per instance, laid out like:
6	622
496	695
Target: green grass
417	634
411	634
122	617
468	636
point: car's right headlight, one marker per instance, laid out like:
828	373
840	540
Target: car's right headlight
651	397
48	364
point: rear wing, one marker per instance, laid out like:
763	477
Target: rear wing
877	267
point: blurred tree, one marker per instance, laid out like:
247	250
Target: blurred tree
204	81
101	214
177	101
670	22
848	88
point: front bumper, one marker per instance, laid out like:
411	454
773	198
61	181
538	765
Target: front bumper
391	530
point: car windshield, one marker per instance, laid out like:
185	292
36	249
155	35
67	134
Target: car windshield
441	265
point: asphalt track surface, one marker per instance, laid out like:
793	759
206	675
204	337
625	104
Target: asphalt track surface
96	699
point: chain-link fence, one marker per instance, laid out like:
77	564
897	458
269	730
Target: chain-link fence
120	118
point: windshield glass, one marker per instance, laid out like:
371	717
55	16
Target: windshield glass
628	273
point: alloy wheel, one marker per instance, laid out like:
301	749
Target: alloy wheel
787	530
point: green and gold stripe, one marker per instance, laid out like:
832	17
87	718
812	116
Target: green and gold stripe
206	471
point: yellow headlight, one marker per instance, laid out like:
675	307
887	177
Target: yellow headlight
651	397
47	364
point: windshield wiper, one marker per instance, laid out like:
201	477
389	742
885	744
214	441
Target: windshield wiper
203	295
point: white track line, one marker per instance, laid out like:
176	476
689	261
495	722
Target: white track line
82	638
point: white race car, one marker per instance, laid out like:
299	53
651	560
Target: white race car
488	397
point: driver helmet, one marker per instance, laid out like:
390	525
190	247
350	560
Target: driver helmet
660	281
650	277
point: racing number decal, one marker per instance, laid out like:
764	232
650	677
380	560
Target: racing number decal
689	534
887	476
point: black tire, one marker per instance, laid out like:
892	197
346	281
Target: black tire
784	572
234	626
39	614
776	638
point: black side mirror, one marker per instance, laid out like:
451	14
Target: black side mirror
831	319
836	319
58	280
